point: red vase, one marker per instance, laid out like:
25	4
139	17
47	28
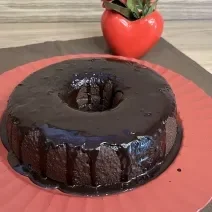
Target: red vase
131	38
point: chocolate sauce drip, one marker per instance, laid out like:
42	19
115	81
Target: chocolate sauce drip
163	141
163	145
71	158
101	91
107	94
118	96
81	98
43	149
89	94
14	130
11	131
20	140
92	154
125	163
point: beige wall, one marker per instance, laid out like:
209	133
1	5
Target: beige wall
90	10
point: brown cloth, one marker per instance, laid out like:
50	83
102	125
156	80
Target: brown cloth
163	54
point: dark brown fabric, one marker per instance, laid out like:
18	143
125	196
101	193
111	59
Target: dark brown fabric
208	207
163	54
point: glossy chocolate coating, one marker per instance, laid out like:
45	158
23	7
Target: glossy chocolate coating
105	139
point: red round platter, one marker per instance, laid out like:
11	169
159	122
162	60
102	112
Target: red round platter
173	191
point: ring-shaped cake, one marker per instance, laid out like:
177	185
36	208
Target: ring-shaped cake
93	125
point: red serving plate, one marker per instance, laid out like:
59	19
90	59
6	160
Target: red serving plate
173	191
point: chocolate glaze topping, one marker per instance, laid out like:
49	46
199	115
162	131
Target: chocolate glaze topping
92	123
144	104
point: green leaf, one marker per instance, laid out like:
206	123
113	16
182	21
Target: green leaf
145	9
152	7
126	12
155	4
150	10
140	5
131	4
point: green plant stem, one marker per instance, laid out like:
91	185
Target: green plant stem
126	12
134	9
131	4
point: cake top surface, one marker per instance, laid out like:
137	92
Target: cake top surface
43	99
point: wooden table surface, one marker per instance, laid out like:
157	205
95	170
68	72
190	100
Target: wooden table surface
194	38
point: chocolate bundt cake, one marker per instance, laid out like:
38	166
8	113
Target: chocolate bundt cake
93	125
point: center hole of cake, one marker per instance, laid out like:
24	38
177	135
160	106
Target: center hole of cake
95	96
